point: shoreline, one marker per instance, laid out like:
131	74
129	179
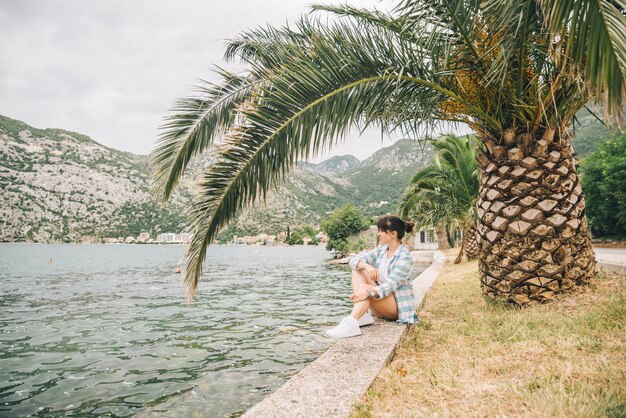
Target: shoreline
331	385
143	321
160	243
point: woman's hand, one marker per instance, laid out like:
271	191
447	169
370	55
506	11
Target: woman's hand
373	272
359	295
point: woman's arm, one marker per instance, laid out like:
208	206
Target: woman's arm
364	259
398	276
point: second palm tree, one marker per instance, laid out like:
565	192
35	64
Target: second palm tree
443	195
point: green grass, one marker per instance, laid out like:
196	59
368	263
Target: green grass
470	357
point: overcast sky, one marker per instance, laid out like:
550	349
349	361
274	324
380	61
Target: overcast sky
111	69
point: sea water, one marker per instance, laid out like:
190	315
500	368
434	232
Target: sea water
92	330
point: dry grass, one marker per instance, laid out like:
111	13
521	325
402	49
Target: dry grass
469	357
452	252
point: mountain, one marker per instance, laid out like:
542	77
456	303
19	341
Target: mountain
61	186
313	191
334	166
379	181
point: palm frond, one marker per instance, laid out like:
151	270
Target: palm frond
298	111
267	47
456	18
511	27
594	34
398	24
444	192
197	123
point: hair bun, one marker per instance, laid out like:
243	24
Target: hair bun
409	225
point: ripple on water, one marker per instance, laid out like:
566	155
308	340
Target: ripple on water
106	330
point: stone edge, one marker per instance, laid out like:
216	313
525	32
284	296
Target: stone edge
302	396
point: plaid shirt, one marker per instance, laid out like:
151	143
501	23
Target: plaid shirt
399	271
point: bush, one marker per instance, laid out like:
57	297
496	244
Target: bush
604	185
338	245
341	224
357	246
296	237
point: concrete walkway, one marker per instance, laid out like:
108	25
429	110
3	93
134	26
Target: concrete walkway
613	259
332	384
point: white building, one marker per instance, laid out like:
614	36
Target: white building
321	237
425	239
172	238
143	237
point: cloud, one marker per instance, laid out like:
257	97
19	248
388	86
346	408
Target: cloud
111	69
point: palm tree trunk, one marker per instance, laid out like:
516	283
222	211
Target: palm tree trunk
459	257
531	219
471	243
442	238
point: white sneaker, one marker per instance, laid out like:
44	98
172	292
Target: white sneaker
366	319
348	327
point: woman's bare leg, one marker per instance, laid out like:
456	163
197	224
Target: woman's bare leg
358	280
384	308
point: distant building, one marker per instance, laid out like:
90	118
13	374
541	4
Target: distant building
425	239
321	237
250	240
166	238
143	237
264	238
129	240
254	239
172	238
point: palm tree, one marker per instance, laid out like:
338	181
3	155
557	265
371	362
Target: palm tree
514	71
444	193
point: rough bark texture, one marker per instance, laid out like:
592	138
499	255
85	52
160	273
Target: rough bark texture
471	244
442	238
531	219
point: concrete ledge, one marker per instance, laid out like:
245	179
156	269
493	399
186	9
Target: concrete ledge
332	384
614	267
422	283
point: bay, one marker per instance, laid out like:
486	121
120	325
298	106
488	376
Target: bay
90	330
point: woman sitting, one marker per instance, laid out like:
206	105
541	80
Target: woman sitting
380	281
